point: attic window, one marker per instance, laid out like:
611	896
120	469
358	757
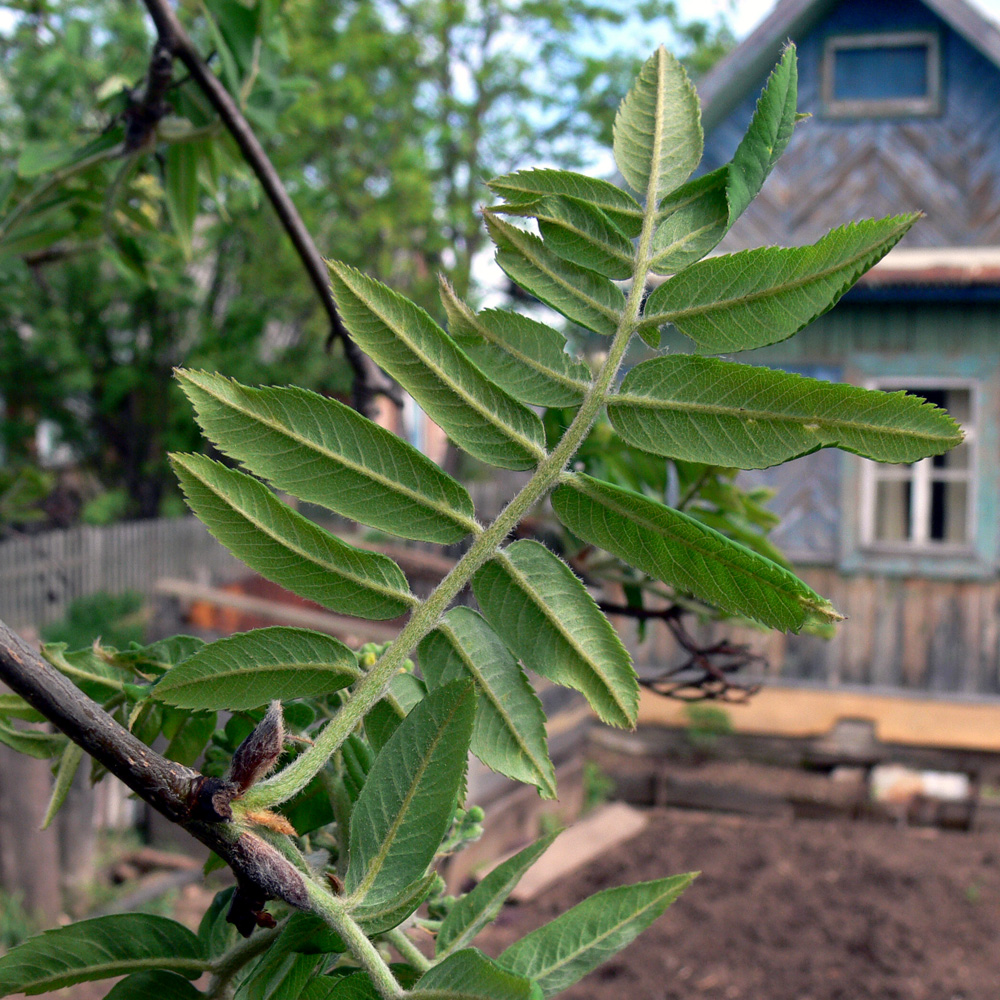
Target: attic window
882	74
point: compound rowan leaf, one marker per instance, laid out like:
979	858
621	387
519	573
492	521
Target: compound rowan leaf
740	416
477	415
542	611
673	547
509	732
282	545
559	953
252	668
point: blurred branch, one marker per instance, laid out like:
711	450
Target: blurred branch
173	40
706	673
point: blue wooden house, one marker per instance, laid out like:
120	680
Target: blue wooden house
905	104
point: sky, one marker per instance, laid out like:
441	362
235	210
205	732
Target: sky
748	13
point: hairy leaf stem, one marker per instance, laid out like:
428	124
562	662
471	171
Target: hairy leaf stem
426	616
399	939
333	911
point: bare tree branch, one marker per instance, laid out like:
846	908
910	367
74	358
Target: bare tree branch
199	804
707	672
369	380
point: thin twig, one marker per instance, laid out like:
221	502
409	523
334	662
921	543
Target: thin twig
706	673
369	381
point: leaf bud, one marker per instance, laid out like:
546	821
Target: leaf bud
260	751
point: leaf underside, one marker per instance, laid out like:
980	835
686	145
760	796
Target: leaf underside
698	409
509	732
675	548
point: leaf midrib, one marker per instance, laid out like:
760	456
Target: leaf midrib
525	586
708	409
310	557
466	523
106	969
256	669
719	304
484	688
658	529
595	941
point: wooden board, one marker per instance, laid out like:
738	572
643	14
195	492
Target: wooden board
781	711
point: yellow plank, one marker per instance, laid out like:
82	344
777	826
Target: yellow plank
777	711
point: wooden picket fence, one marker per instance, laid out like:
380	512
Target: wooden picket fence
41	574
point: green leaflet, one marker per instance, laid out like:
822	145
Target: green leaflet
509	732
13	706
154	983
740	416
403	339
181	191
681	551
88	671
521	355
252	668
532	185
697	215
578	293
406	804
658	138
322	451
579	232
559	953
69	763
278	975
32	742
767	137
542	611
475	910
99	949
190	740
470	975
285	547
696	219
736	302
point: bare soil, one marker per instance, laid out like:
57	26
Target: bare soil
795	910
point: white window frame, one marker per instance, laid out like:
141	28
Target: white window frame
921	475
876	107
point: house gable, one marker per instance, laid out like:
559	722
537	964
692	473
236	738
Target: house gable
943	160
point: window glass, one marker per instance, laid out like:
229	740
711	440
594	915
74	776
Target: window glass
880	72
926	504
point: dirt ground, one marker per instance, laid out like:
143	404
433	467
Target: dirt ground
796	910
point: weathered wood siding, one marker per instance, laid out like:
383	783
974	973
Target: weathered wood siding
839	169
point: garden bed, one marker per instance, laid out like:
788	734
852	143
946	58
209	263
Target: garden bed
793	909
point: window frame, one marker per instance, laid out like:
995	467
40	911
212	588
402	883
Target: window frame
921	478
928	105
